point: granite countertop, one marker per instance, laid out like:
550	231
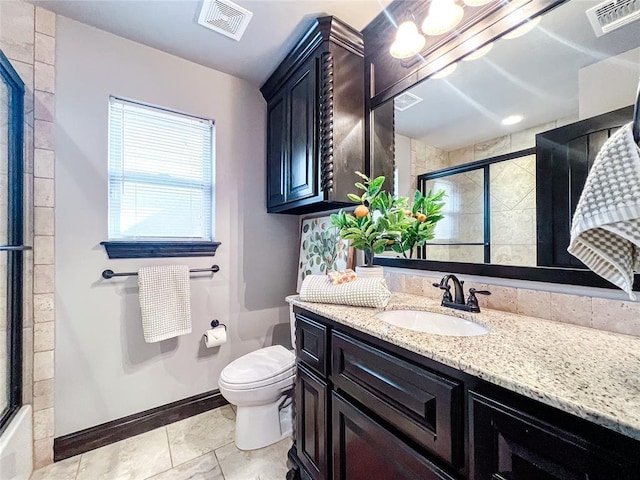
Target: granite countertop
590	373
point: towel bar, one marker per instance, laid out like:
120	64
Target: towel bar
107	274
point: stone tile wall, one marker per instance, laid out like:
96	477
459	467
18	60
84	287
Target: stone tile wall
27	38
513	197
612	315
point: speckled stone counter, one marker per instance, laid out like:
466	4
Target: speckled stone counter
590	373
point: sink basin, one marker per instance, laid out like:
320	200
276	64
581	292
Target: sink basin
429	322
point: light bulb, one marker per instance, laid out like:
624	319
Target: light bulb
480	52
443	16
408	41
446	71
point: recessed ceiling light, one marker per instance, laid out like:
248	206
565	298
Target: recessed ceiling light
480	52
445	72
512	119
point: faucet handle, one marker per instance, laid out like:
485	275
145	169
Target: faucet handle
446	296
472	301
473	291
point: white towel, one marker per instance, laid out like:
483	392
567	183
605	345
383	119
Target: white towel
605	233
362	292
165	301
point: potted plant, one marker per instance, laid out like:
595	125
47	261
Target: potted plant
383	222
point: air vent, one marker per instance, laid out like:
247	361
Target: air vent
405	100
225	17
610	15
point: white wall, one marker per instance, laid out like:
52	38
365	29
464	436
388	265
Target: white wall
104	369
609	84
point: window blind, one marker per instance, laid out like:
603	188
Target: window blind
160	174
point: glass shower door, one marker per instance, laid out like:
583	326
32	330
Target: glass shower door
11	239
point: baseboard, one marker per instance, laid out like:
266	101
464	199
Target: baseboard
95	437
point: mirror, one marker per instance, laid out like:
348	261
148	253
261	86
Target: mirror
472	130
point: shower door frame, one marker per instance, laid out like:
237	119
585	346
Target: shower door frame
15	237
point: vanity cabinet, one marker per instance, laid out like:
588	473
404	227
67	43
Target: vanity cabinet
315	120
517	438
367	409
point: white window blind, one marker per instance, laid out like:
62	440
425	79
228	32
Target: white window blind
160	174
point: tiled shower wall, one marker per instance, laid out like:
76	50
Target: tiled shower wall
612	315
27	38
513	199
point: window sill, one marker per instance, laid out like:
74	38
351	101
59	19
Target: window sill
146	249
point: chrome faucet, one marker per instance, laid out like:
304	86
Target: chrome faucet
457	301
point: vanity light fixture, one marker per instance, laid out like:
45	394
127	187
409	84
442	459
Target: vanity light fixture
480	52
512	119
523	29
445	72
443	16
408	41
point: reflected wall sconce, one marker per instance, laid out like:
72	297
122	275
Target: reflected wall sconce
523	29
476	3
480	52
445	72
444	15
408	41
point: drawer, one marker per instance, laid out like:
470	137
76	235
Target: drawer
311	344
422	404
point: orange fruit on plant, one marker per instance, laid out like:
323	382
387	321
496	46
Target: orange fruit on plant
421	217
361	211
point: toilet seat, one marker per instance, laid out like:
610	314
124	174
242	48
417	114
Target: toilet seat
259	368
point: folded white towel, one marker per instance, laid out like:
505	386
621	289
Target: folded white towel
605	233
165	301
362	292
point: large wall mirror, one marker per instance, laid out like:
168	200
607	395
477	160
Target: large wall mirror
471	130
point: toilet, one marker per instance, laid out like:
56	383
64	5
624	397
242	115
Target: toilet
260	384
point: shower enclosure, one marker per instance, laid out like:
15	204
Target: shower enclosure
11	239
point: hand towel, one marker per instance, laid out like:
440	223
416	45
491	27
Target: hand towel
605	233
362	292
342	276
165	301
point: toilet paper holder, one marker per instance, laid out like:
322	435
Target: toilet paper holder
216	323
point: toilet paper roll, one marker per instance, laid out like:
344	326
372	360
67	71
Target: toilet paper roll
215	337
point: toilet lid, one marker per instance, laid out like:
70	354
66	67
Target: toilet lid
258	366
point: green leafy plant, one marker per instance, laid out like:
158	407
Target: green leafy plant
383	222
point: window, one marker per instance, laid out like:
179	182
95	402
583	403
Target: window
160	176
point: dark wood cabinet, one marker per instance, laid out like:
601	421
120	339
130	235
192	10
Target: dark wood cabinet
311	424
363	449
518	439
422	404
315	120
564	157
366	410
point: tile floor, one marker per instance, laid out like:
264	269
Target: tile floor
197	448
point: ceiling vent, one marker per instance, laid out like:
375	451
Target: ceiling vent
612	14
405	100
225	17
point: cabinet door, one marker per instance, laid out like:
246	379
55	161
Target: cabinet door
302	167
277	151
312	427
365	450
511	445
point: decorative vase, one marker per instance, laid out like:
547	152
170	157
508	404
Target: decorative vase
365	271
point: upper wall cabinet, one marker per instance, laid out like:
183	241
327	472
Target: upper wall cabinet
315	120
